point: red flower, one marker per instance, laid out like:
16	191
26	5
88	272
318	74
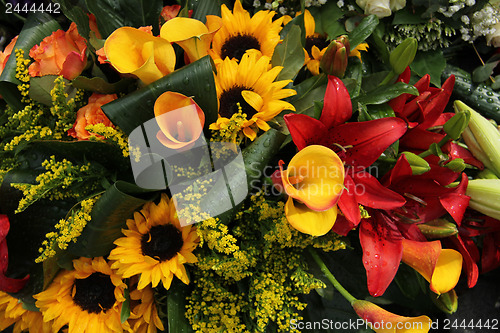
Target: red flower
7	284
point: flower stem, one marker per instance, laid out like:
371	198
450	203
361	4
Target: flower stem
330	276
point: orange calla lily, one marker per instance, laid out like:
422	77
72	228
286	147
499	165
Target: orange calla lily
180	119
440	267
383	321
315	177
133	51
192	35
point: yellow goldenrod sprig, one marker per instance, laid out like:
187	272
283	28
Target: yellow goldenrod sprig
114	135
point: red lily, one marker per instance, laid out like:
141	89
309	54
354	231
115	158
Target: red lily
358	145
7	284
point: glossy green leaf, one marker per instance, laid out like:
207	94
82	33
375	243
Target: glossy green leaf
40	88
430	62
111	14
385	93
125	313
326	19
207	7
109	216
195	79
99	85
289	54
76	13
482	73
354	71
176	308
37	27
363	31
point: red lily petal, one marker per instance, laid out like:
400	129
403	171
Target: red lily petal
412	110
491	254
423	84
398	103
348	203
455	205
368	139
456	151
382	252
419	139
342	226
469	263
337	108
436	106
370	193
442	119
401	170
7	284
305	130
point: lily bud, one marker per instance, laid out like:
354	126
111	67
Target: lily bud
403	55
486	174
456	165
418	164
447	302
438	228
334	61
485	196
482	138
457	124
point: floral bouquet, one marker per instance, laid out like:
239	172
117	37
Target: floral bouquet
247	166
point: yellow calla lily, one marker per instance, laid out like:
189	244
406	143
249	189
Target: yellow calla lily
440	267
315	178
180	120
133	51
192	35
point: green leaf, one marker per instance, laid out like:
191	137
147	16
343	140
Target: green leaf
482	73
37	27
408	17
40	88
378	111
109	216
385	93
195	79
289	54
112	14
207	7
176	308
296	21
99	85
354	71
430	62
77	14
363	31
326	18
125	313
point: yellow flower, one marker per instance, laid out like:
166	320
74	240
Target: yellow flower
180	119
440	267
314	177
13	312
144	313
137	52
383	321
192	35
240	33
250	86
356	52
155	246
87	299
316	44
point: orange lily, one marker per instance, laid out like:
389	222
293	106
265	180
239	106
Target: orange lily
134	51
440	267
192	35
177	117
315	177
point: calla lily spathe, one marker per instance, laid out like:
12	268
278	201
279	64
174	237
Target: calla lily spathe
180	119
192	35
133	51
314	177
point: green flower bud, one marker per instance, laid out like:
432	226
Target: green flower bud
486	174
485	196
457	124
402	56
438	228
334	60
418	164
482	138
447	302
456	165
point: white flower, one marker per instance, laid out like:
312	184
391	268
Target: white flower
268	6
470	2
256	3
380	8
397	4
493	38
340	3
465	19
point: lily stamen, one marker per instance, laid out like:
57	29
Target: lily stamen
417	199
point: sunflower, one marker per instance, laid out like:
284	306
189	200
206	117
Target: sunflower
144	314
240	32
316	44
13	312
155	246
249	88
87	299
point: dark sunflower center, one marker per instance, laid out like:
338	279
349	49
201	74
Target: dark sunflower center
228	103
320	42
163	242
95	293
236	46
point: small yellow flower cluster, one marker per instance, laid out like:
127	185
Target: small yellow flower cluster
305	282
186	172
55	183
64	109
23	75
213	308
135	152
230	130
113	134
37	132
67	230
